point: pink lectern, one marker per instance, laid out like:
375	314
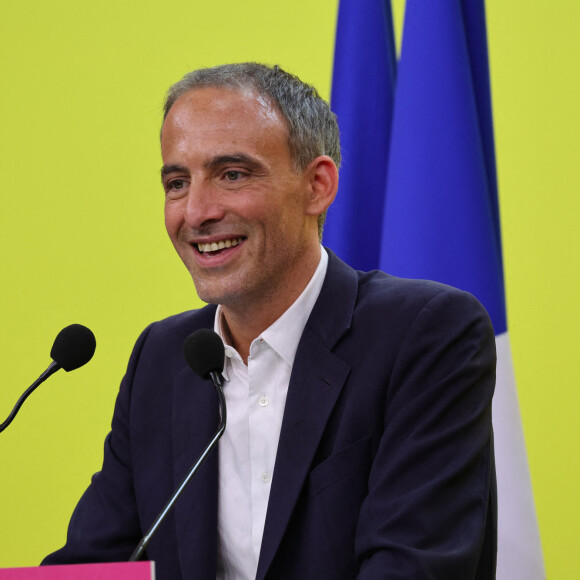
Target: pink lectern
117	571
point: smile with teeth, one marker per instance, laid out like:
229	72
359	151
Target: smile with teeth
221	245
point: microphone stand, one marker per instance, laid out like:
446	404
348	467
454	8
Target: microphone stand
218	382
52	368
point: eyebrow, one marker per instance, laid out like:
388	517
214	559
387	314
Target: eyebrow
241	158
166	169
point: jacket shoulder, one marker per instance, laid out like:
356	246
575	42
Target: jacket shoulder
379	290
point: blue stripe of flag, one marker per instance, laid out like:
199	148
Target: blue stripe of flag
362	98
441	217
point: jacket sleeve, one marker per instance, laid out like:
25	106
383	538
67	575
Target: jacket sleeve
430	508
105	526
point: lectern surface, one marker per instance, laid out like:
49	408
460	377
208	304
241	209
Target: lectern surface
113	571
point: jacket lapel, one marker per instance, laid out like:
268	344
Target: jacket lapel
317	379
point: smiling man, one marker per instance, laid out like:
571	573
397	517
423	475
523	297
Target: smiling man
241	215
359	441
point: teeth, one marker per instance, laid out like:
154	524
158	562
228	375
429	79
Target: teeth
215	246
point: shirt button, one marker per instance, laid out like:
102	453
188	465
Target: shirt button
263	401
266	477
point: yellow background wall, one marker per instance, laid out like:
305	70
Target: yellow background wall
535	50
82	236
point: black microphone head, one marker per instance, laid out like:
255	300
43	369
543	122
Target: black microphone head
204	352
73	347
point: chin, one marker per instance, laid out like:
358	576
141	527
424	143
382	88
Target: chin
212	293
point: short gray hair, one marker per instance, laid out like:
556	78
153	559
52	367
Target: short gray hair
312	126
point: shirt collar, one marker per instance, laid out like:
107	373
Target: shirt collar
284	334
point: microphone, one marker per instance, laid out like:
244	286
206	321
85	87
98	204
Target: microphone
73	347
204	352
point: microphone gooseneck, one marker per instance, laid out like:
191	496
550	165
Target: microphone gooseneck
73	347
204	352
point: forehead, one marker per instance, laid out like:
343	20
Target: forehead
217	112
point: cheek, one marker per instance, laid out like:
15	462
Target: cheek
172	220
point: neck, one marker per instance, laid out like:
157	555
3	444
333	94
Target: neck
243	323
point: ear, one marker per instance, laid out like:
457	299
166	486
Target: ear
323	184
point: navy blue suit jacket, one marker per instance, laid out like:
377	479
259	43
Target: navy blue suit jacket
385	462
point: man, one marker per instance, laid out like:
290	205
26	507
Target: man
359	440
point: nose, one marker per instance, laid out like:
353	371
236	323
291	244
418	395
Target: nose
203	205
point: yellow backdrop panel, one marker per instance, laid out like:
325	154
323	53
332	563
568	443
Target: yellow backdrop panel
534	54
83	238
82	213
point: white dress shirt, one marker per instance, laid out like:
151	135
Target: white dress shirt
255	397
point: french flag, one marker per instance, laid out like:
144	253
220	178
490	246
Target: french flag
418	196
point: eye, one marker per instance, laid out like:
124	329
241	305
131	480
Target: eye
232	175
176	184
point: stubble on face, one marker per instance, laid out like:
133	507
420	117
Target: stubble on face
241	183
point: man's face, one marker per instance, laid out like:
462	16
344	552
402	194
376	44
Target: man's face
235	207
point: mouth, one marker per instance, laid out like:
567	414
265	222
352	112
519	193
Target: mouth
215	248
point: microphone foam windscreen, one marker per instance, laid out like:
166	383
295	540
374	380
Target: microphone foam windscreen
73	347
204	352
